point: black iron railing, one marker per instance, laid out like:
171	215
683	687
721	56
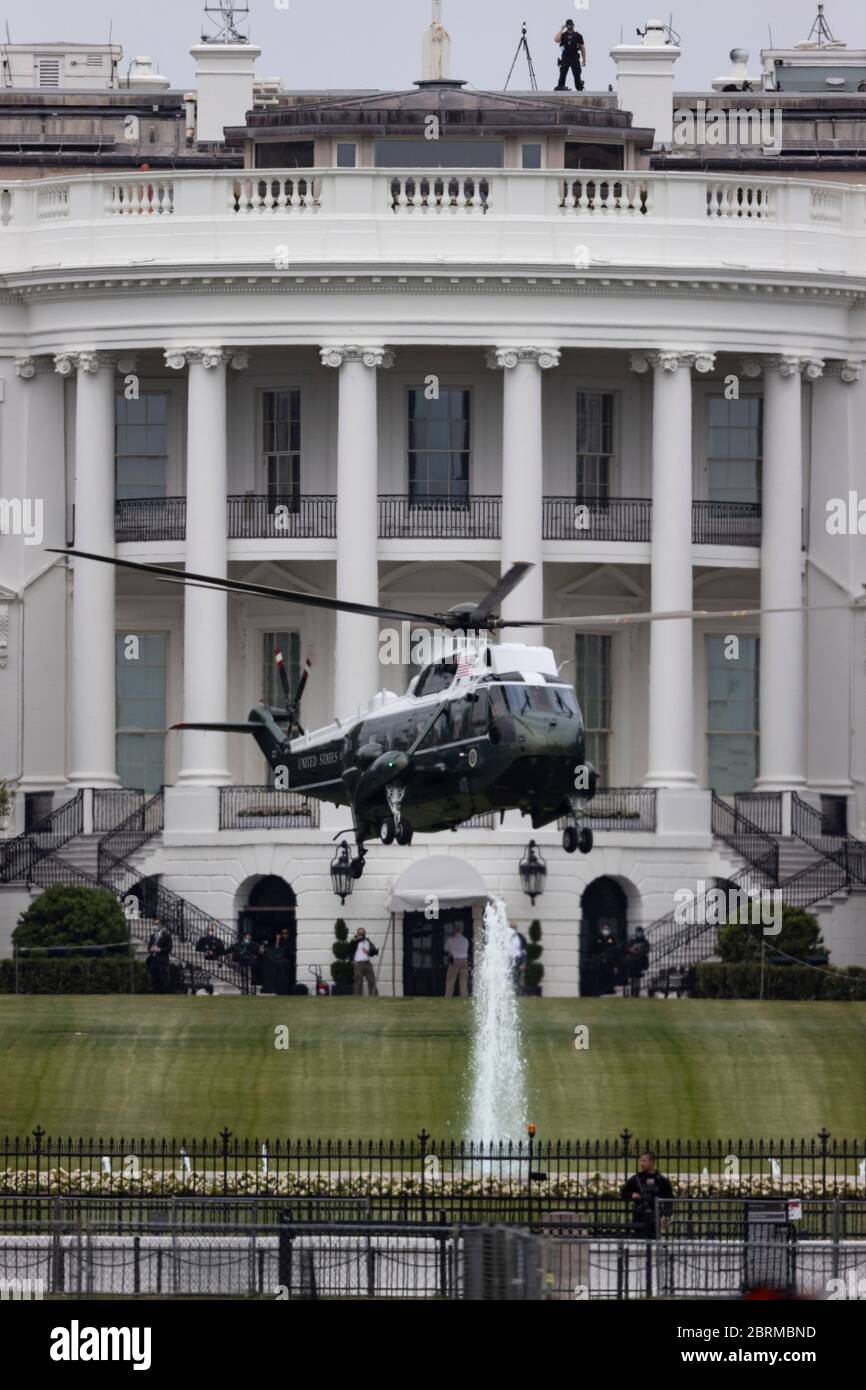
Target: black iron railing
813	829
415	1179
300	517
150	519
265	808
814	883
726	523
763	809
746	839
620	809
688	935
403	517
18	857
111	805
598	519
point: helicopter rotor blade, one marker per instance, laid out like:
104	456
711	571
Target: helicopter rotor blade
625	619
492	601
239	586
281	672
302	684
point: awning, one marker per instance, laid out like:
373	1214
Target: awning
450	880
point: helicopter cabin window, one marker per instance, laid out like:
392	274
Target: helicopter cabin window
480	713
459	722
141	446
594	445
289	643
281	447
439	448
593	678
140	713
435	678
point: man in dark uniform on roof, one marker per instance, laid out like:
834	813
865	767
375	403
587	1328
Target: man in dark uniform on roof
573	54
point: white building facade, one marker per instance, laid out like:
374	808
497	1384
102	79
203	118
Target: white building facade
388	384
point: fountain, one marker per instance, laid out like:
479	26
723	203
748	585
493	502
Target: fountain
497	1107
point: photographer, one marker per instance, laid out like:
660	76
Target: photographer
573	54
643	1190
361	953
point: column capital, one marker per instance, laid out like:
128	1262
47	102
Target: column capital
751	367
792	364
508	357
848	369
671	360
86	360
27	366
208	357
371	356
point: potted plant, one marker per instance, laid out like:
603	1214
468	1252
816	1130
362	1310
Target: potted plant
7	803
534	972
342	973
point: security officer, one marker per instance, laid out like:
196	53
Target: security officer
573	54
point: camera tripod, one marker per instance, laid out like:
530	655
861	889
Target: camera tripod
524	47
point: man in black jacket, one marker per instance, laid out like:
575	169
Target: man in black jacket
158	958
361	953
573	53
643	1190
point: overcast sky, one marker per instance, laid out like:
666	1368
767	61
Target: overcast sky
346	43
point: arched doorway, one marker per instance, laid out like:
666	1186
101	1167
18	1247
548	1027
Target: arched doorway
604	905
270	918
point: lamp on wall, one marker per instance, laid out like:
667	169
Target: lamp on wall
533	872
342	877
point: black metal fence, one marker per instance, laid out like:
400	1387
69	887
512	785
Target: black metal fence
303	516
813	829
620	809
111	805
746	839
18	857
150	519
763	809
265	808
726	523
597	519
403	517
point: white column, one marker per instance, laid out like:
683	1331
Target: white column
671	674
92	691
357	675
782	669
523	480
205	620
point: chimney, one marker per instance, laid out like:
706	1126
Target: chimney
224	75
645	80
436	51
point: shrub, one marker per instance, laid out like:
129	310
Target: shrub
800	936
79	975
533	973
63	916
341	967
742	980
7	800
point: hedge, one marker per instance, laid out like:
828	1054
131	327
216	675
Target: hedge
714	980
79	975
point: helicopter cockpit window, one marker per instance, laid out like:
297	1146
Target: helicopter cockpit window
519	698
435	678
524	699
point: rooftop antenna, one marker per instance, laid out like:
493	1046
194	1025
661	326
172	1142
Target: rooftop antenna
523	47
821	29
225	15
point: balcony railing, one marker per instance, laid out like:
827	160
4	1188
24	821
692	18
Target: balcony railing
402	517
266	808
410	216
621	809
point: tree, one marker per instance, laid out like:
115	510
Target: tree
800	936
63	916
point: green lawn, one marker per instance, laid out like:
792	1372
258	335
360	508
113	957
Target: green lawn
356	1068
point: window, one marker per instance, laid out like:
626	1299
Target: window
531	156
439	448
580	156
289	643
281	447
592	652
140	714
278	154
594	445
141	446
347	156
480	714
735	449
439	154
732	714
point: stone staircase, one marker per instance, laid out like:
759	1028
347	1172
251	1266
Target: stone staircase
82	853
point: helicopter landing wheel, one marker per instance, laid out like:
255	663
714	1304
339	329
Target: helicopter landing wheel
387	831
584	839
570	839
356	868
404	832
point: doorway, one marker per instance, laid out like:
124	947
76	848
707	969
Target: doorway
270	918
603	905
424	960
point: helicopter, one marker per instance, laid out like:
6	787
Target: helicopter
483	728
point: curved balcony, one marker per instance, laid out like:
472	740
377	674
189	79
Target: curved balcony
563	220
401	517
